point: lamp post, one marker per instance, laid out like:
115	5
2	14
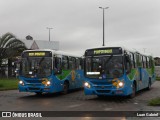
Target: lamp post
49	31
103	22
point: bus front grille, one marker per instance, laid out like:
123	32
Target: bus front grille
103	91
33	88
33	81
102	87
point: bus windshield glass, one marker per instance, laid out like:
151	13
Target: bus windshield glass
104	66
36	67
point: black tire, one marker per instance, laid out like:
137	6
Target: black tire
133	94
149	85
65	87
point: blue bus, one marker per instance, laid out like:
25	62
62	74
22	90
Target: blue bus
116	71
50	71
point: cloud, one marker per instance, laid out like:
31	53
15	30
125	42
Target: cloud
77	24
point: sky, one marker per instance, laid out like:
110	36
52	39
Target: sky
78	24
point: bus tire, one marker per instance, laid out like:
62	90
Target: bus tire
133	94
149	85
65	87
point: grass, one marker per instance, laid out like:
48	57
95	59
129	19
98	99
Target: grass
154	102
8	83
158	78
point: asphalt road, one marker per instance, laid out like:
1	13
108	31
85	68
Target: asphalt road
13	100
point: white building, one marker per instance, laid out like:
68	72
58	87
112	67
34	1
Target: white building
31	45
39	44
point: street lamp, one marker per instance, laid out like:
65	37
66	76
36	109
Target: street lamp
103	21
49	32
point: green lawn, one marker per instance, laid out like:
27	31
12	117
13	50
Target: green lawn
158	78
154	102
8	84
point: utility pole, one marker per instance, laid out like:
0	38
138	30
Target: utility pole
49	31
103	24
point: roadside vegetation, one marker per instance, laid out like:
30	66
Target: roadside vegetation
154	102
8	84
158	78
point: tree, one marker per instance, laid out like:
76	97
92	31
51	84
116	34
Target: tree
10	47
29	37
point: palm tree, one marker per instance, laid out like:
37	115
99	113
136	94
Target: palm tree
10	47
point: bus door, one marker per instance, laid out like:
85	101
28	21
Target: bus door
140	73
57	70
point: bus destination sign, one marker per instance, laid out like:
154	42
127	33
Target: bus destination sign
37	54
103	51
96	52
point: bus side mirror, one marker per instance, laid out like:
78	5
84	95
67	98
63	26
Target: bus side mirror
17	72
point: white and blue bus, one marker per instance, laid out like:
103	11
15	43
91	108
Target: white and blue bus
116	71
49	71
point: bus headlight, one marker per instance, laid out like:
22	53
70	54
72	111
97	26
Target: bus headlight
87	85
48	83
121	84
21	82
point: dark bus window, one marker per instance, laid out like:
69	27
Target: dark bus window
65	62
144	61
139	60
72	63
132	60
150	62
147	62
78	64
135	60
57	63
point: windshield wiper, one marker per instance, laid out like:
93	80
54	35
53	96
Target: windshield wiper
109	58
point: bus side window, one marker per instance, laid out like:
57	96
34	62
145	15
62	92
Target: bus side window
147	62
132	60
58	68
65	62
78	65
72	63
139	60
150	63
82	62
128	64
135	60
144	61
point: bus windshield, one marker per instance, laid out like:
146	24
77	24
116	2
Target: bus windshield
36	67
104	66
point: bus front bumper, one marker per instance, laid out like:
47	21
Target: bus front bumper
42	89
106	92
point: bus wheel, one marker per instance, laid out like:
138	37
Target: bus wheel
149	85
65	87
133	94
